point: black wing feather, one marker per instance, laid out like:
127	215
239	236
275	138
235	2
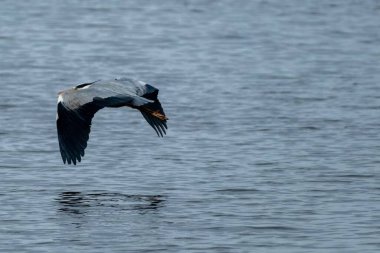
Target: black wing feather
73	128
151	110
150	121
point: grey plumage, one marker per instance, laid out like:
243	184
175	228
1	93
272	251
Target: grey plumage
77	106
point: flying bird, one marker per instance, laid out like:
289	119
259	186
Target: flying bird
78	105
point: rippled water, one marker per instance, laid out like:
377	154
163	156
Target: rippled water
273	142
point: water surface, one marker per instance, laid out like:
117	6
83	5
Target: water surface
273	141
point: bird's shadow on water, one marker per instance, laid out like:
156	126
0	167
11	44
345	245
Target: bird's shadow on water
80	203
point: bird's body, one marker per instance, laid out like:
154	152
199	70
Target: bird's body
77	106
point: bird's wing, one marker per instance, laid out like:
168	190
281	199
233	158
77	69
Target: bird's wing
153	112
75	110
73	127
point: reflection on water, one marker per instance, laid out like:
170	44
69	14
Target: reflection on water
80	203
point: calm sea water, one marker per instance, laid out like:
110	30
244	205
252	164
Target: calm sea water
273	142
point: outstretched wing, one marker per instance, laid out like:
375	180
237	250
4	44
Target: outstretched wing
153	112
73	127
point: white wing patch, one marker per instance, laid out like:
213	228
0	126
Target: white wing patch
60	98
83	88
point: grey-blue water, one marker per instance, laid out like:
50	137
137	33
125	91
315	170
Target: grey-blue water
273	141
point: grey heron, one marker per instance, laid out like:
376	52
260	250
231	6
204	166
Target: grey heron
78	105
